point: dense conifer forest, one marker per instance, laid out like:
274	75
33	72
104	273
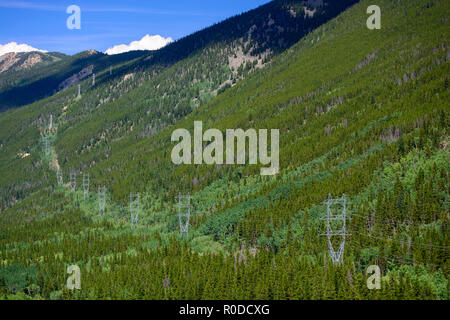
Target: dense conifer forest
361	113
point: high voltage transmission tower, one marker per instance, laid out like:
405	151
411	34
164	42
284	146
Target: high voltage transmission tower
135	202
59	177
46	145
79	91
184	211
93	79
336	218
86	185
73	181
101	200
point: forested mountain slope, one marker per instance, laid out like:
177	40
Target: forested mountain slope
252	37
361	112
143	92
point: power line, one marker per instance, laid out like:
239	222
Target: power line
410	261
388	220
65	201
402	259
414	244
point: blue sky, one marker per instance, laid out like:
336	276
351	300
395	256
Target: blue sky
105	23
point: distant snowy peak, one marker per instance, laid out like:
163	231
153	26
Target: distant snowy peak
148	42
15	47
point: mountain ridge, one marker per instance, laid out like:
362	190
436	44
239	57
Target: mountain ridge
285	30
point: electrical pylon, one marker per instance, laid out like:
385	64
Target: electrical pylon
333	219
46	145
59	177
86	182
73	181
135	203
93	79
184	211
101	200
79	91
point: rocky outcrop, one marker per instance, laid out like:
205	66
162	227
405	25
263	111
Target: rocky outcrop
19	60
83	74
7	61
32	60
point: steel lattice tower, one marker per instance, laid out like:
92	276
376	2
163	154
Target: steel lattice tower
73	182
184	211
86	181
46	145
79	92
93	79
332	219
135	202
101	200
59	177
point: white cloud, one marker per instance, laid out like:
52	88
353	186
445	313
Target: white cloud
148	42
15	47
